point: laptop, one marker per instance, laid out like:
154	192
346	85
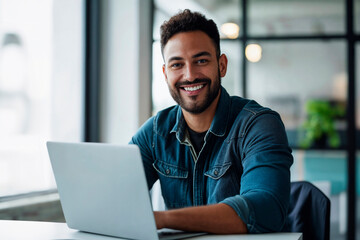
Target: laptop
103	190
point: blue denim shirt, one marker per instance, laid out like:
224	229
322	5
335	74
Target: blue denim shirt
243	163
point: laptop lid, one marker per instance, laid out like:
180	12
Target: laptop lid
103	189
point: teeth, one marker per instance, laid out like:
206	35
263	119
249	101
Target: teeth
193	88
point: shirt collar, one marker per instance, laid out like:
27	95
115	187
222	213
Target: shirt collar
218	125
220	121
180	126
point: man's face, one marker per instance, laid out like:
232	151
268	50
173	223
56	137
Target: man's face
192	70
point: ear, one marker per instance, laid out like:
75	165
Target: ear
164	72
223	65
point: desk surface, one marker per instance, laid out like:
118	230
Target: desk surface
27	230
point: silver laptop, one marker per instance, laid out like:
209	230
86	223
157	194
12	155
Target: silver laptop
103	190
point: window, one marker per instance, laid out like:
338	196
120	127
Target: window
41	88
296	17
357	16
292	73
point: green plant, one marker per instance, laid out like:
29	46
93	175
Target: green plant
320	123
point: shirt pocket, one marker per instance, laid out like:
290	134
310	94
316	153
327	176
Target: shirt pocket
169	170
216	172
221	183
174	184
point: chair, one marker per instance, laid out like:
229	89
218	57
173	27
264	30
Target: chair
309	212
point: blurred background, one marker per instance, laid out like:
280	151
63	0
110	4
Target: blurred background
90	70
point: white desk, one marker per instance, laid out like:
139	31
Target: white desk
26	230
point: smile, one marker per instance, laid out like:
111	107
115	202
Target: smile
191	89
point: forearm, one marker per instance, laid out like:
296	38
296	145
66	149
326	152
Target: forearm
217	218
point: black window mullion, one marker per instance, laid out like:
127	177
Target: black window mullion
351	128
92	71
244	43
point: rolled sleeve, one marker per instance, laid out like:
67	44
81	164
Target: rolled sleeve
265	183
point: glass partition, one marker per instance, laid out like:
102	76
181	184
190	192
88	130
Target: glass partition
297	17
291	75
232	81
357	16
221	12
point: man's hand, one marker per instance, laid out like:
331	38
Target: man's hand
219	219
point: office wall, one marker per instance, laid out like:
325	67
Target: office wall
126	68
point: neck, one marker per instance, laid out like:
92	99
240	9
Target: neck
201	122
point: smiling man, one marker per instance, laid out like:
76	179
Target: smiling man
223	162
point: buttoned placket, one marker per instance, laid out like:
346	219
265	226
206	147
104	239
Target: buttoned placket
198	171
198	177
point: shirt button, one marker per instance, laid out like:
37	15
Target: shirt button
216	172
167	171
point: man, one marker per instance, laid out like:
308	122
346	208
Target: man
223	162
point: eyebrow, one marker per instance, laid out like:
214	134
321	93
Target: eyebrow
200	54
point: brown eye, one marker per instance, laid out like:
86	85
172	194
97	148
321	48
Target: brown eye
175	65
201	61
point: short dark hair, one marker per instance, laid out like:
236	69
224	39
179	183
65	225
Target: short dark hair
186	21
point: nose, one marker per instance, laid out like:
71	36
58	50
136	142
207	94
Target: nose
190	73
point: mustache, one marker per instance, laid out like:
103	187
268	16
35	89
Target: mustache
196	81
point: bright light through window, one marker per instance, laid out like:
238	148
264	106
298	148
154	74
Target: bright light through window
35	87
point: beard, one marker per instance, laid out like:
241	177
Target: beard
193	106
